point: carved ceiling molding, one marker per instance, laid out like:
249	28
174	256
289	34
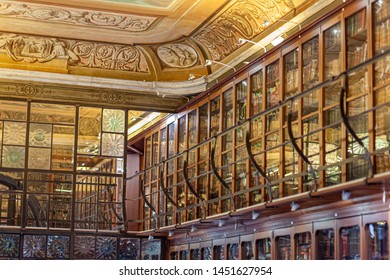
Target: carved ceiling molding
244	19
132	23
37	49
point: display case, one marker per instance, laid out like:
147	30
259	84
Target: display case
350	243
283	247
263	249
303	248
377	240
325	244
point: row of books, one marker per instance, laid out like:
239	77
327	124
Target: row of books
382	36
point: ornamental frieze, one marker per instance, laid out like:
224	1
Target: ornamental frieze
177	55
133	23
34	49
244	19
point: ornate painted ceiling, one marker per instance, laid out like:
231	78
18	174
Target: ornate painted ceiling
147	47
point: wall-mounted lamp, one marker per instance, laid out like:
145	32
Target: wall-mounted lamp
209	62
193	228
255	215
221	223
171	233
193	76
294	206
242	41
150	237
345	195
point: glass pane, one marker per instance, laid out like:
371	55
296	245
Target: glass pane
303	246
192	135
13	156
283	246
63	147
350	243
263	249
39	158
113	120
256	102
203	130
233	251
333	153
382	130
382	40
58	247
272	89
325	244
219	252
129	249
310	78
34	246
291	77
194	254
14	133
13	110
52	113
9	245
155	149
206	253
89	131
227	120
241	100
247	250
182	139
272	160
40	135
378	243
333	62
311	149
291	167
163	144
84	247
106	248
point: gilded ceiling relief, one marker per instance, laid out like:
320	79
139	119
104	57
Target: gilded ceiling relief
177	55
244	19
33	49
131	23
147	3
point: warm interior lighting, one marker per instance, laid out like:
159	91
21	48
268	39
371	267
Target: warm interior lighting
170	233
209	62
143	122
242	41
277	40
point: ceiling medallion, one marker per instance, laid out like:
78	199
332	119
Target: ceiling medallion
177	55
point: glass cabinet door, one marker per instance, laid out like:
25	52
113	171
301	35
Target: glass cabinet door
203	156
272	89
381	27
219	252
192	159
240	115
263	249
310	77
214	130
333	58
247	250
256	89
227	145
357	93
283	247
163	156
180	187
350	243
170	172
291	80
378	242
303	246
325	244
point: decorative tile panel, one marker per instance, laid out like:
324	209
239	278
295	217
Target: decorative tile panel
58	247
34	246
106	248
9	245
84	247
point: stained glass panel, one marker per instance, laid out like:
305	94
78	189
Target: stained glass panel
40	135
112	145
106	248
129	249
34	246
151	250
9	245
53	113
113	120
89	131
13	156
39	158
58	247
14	133
84	247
